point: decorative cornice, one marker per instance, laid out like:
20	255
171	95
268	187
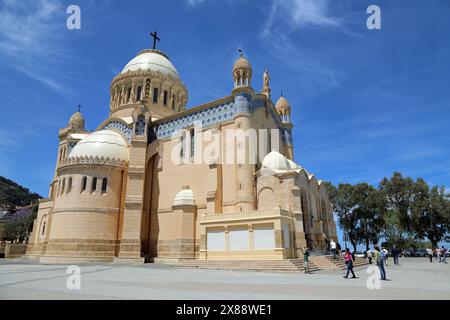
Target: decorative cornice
148	74
87	161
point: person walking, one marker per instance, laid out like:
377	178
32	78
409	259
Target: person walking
438	255
444	255
333	248
338	250
385	255
369	256
349	258
306	254
379	260
430	254
395	252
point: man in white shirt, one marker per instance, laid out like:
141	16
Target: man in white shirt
385	255
333	248
430	254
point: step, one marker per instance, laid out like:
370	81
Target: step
327	262
289	265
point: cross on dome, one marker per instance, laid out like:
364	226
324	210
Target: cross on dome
154	34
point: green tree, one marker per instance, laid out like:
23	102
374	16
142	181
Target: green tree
16	229
399	192
370	214
430	214
13	195
344	202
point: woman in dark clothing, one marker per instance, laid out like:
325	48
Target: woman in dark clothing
348	257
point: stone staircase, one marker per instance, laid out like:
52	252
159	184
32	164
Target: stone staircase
287	265
326	262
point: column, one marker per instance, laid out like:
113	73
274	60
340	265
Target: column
132	95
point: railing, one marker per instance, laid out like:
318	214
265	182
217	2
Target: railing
245	214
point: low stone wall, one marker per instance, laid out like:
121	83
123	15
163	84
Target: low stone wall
15	250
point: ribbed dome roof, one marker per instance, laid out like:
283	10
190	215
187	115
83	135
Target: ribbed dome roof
105	143
76	121
275	161
282	103
241	63
184	197
153	60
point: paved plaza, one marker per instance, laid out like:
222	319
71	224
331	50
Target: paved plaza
415	278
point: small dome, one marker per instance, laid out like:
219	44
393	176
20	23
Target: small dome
77	121
282	103
242	63
153	60
105	143
184	197
275	161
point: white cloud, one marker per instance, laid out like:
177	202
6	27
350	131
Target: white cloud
31	37
285	20
194	3
298	13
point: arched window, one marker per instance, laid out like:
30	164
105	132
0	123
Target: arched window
165	98
63	185
104	185
43	228
129	94
138	94
83	184
182	144
94	185
69	186
155	95
192	137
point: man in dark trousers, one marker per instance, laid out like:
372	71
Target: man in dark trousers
395	252
338	250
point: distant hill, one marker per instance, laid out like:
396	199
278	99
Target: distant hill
13	195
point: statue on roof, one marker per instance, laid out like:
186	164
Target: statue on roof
266	84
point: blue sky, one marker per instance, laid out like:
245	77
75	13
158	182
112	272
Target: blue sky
365	102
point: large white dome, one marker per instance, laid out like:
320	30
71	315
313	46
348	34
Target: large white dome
153	60
104	143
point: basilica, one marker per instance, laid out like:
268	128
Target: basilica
133	191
